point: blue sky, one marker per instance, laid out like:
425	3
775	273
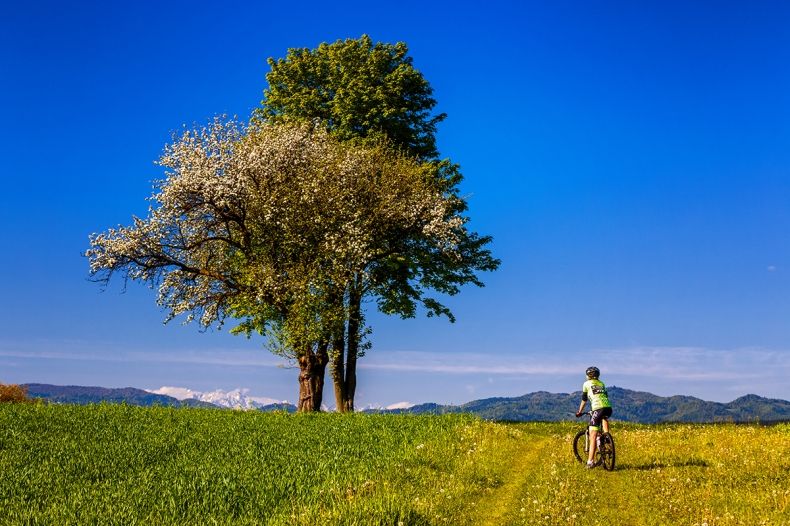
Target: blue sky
630	159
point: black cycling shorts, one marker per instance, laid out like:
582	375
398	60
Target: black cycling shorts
598	415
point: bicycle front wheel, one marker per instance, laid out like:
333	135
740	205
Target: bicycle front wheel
580	446
606	453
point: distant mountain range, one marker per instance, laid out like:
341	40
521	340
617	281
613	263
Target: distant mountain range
234	399
77	394
631	406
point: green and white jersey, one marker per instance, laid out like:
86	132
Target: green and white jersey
595	391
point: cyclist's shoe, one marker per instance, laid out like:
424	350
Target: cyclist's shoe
590	465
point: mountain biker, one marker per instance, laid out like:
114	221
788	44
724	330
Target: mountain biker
594	390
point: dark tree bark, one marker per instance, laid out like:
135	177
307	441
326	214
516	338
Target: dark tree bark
312	368
338	367
345	350
354	321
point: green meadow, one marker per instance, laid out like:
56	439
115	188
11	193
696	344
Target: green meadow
118	464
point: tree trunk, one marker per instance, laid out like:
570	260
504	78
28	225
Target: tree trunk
338	368
322	356
354	322
345	349
312	367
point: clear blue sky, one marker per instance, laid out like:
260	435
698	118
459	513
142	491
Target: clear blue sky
631	160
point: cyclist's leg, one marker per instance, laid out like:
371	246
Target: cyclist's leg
593	444
607	412
595	423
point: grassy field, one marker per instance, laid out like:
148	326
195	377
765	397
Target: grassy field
110	464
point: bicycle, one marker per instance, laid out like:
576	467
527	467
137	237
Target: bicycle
604	453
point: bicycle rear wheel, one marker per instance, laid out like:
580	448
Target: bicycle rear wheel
607	454
580	446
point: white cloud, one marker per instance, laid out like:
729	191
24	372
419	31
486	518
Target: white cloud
108	352
688	363
694	363
676	363
181	393
459	363
712	374
720	374
400	405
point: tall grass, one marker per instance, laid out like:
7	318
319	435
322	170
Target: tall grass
116	464
129	465
722	474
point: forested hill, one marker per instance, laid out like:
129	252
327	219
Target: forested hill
77	394
632	406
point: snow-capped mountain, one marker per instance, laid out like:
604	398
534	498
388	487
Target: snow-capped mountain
391	407
234	399
240	399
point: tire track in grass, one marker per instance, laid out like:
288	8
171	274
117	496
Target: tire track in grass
493	509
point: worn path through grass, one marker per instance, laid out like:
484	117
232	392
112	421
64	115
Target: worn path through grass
524	447
492	510
685	475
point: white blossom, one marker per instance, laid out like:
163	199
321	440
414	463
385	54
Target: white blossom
267	217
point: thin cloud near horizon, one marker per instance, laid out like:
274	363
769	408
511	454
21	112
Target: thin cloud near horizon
679	363
682	363
710	374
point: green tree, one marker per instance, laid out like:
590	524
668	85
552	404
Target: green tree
280	226
357	89
366	92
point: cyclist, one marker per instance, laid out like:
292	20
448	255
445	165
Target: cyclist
594	390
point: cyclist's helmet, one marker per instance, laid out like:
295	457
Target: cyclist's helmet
593	372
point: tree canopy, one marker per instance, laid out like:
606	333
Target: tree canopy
332	193
276	224
364	92
357	89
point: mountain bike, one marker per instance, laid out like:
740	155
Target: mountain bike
604	453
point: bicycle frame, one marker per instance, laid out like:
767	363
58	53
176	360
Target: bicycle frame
605	450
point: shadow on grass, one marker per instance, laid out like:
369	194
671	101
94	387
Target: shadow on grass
690	463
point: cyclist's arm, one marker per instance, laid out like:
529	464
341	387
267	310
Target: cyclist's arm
582	404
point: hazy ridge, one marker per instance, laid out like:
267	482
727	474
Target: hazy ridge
630	406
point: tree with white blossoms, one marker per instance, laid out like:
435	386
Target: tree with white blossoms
285	229
361	92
